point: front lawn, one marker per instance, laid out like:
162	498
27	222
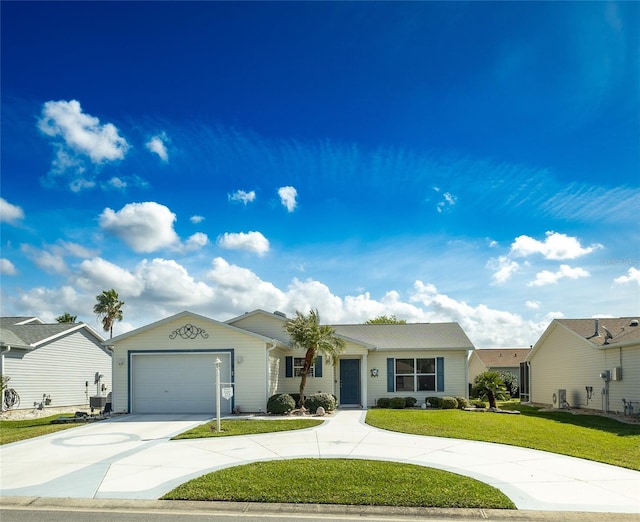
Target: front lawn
342	481
246	427
590	437
15	430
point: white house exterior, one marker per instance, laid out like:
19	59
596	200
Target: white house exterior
585	363
168	366
497	360
53	364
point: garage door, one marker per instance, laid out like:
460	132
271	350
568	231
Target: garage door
178	383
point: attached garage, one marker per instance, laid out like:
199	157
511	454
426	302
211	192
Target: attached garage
183	382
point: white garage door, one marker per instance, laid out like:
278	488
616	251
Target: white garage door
178	383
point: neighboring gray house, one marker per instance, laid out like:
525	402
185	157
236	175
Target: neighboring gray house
169	366
585	363
497	360
53	364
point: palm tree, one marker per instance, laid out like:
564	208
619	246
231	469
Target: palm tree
306	332
109	309
490	386
67	318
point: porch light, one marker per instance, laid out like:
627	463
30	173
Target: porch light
374	372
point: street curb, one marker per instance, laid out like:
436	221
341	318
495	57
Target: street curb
194	507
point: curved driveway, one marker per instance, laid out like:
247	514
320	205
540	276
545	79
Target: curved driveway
131	457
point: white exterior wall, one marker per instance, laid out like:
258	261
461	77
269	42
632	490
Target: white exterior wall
476	367
455	375
250	390
566	361
60	370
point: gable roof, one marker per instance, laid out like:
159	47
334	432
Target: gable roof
434	336
604	332
277	315
29	332
502	357
185	314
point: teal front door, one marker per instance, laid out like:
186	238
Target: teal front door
350	381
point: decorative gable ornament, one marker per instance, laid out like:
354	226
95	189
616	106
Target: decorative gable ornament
189	331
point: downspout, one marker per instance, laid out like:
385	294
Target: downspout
273	344
466	374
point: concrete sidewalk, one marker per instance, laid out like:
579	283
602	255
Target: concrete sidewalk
131	457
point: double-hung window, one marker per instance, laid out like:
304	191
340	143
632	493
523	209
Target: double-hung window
298	365
294	366
415	374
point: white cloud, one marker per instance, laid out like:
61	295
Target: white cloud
242	196
117	183
49	303
250	241
157	145
195	242
505	268
81	133
449	201
7	267
145	227
555	246
196	219
288	197
533	305
97	274
10	213
50	262
633	276
547	277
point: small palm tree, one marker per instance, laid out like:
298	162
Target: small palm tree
306	332
109	309
490	386
67	318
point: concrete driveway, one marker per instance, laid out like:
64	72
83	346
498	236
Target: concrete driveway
131	457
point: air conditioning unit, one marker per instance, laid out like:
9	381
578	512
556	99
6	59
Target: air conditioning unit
616	373
560	399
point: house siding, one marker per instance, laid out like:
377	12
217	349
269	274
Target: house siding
250	359
60	370
265	325
455	375
566	361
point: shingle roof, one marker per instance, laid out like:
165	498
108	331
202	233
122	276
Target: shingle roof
29	335
502	357
407	336
622	330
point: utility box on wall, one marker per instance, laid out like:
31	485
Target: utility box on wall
616	373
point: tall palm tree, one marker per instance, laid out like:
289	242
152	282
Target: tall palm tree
109	309
67	318
306	332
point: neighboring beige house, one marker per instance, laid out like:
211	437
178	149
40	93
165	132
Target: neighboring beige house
53	364
169	366
497	359
585	363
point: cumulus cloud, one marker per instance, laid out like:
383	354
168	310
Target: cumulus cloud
250	241
38	302
533	305
449	200
288	197
7	267
555	247
546	277
50	262
633	276
195	242
98	273
145	227
158	145
242	197
10	213
82	133
196	219
505	268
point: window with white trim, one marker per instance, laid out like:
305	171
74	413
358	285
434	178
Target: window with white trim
415	374
298	366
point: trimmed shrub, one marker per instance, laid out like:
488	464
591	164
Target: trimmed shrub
449	403
478	404
295	397
383	402
397	403
462	402
434	402
326	400
410	402
280	403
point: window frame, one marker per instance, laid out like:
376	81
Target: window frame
415	374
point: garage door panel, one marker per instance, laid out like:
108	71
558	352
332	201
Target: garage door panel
178	383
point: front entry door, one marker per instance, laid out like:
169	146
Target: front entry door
350	381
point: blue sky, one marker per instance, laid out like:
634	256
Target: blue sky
471	162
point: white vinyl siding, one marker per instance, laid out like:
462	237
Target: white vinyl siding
59	370
264	324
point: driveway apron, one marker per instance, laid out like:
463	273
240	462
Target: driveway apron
132	457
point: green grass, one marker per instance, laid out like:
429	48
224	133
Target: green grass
591	437
342	481
14	431
246	427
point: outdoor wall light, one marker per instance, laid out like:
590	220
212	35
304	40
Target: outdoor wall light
374	372
239	359
120	361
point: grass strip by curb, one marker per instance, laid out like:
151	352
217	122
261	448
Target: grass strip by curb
16	430
233	427
342	481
